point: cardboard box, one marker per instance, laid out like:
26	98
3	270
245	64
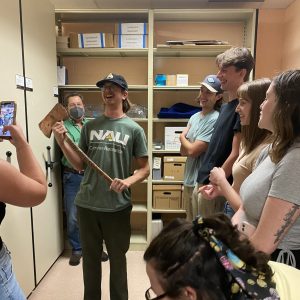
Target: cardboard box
91	40
131	41
62	39
174	167
171	80
167	196
172	141
131	28
182	80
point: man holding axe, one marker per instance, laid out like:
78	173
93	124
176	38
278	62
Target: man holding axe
111	141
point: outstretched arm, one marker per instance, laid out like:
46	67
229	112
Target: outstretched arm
28	186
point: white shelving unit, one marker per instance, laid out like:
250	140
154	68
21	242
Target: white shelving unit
139	66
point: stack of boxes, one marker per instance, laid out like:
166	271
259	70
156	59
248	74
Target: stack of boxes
131	35
170	196
126	35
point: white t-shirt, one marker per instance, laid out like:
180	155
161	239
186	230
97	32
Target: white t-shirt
287	280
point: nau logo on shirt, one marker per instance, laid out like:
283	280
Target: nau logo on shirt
109	135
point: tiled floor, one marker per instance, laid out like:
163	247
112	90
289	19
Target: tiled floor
64	282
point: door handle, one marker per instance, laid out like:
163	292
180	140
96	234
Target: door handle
8	156
49	167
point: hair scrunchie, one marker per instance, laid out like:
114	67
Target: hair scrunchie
246	281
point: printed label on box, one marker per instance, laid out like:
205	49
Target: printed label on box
182	80
172	141
137	41
132	28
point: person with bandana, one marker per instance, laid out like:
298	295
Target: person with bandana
210	259
72	178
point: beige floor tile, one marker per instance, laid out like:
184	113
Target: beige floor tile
64	282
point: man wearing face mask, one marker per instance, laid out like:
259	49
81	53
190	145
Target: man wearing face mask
72	178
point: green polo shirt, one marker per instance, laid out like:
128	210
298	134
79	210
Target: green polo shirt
74	134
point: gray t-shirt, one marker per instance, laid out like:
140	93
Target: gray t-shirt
111	144
201	129
279	180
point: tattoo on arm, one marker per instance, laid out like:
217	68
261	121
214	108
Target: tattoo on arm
288	221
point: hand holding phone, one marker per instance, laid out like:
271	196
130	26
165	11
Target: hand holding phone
246	228
8	111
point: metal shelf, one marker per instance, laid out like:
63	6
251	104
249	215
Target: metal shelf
163	151
190	50
169	211
159	120
102	52
139	208
176	88
167	182
92	87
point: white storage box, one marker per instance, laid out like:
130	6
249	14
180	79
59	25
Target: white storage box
91	40
172	138
62	76
157	226
129	41
132	28
182	80
156	168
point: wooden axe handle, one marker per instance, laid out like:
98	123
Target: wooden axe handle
87	160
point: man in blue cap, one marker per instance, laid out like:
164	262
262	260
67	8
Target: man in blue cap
112	141
196	136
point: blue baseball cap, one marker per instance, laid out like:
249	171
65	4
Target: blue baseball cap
212	83
114	78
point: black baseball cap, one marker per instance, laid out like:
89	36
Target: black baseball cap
212	83
114	78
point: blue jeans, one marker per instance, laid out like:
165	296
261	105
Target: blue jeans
9	286
71	187
228	210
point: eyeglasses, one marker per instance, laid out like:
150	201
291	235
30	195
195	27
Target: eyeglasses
150	295
112	88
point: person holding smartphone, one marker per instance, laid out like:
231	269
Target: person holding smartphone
29	189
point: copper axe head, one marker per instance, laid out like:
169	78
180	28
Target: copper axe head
56	114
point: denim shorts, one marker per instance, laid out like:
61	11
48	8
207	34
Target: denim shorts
9	287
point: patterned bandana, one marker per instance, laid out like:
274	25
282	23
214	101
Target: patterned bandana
246	281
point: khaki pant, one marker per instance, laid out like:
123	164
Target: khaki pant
205	207
187	203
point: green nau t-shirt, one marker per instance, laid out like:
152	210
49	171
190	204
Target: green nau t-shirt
111	144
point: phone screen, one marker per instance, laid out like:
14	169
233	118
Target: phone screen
7	116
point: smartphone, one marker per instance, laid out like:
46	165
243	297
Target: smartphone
8	111
246	228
